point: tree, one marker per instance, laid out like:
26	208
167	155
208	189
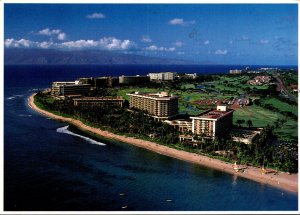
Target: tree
249	123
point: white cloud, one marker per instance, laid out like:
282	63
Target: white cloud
180	21
245	38
95	16
79	44
264	41
146	39
221	52
112	43
61	36
155	48
109	43
206	42
12	43
54	32
180	53
178	43
49	32
45	45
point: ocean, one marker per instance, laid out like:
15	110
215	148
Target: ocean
49	166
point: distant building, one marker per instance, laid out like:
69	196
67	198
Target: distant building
260	80
162	76
190	75
159	105
235	71
86	81
102	82
133	80
99	101
182	125
68	88
81	89
214	123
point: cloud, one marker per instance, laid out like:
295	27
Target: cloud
181	22
180	53
44	45
95	16
12	43
109	43
79	44
112	43
106	43
146	39
221	52
245	38
178	43
54	32
61	36
206	42
264	41
155	48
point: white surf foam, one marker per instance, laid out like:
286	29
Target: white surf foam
65	130
13	97
25	115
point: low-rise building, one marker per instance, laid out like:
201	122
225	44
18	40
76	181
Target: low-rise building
244	136
133	80
162	76
182	125
55	89
99	101
260	80
102	82
70	89
214	123
159	105
235	71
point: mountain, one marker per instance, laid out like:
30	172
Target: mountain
19	56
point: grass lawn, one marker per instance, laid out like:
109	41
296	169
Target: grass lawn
288	130
281	105
259	116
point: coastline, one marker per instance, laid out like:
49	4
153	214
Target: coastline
281	180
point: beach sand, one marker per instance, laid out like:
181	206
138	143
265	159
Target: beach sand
281	180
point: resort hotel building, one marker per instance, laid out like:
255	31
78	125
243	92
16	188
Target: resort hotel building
162	76
69	88
159	105
213	123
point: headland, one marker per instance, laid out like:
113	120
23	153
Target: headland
282	180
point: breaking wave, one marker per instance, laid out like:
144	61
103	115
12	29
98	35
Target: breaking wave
65	130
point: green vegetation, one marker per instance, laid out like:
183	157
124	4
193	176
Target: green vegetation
275	147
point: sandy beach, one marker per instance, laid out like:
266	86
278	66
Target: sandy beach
288	182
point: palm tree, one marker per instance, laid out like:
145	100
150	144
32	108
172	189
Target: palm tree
249	123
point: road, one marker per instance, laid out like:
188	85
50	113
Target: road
282	88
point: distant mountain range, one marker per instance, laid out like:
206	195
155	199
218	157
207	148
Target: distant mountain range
19	56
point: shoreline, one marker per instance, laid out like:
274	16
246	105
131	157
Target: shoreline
288	182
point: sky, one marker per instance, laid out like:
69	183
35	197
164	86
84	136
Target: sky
252	34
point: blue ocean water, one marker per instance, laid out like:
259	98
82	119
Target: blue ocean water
53	170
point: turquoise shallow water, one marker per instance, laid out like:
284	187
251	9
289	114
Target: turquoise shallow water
49	170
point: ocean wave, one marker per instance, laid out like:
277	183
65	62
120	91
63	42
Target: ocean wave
25	115
14	96
65	130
